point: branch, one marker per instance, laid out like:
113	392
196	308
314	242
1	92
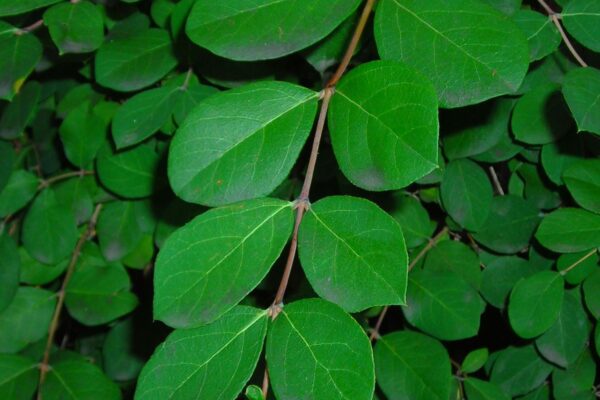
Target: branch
496	181
85	236
576	263
30	28
47	182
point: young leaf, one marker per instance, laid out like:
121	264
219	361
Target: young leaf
466	193
209	362
470	51
18	377
583	181
413	366
535	303
582	20
501	275
580	88
244	31
332	355
542	35
443	305
242	143
353	253
474	360
82	133
519	370
569	230
384	126
209	265
75	27
476	389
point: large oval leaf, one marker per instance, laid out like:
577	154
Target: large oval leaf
242	143
332	354
244	30
353	253
569	230
470	51
209	362
209	265
384	126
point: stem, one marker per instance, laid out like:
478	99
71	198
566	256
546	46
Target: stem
47	182
30	28
434	240
89	232
576	263
188	76
265	384
496	181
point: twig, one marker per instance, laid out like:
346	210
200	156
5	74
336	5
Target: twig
47	182
576	263
434	240
555	17
265	384
496	181
85	236
30	28
188	76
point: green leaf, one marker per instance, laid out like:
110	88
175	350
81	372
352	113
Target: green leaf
453	256
542	35
442	304
241	143
567	338
580	88
49	229
19	54
244	30
580	265
131	173
76	194
253	392
332	354
558	156
466	193
500	276
583	181
582	20
209	265
10	269
569	230
143	115
73	377
474	360
34	272
537	189
121	356
384	126
18	377
119	231
412	366
577	381
535	303
31	311
597	338
189	98
519	370
209	362
505	149
509	225
508	7
82	133
7	159
541	116
476	389
413	218
11	7
470	51
19	190
133	62
353	253
75	27
591	292
20	112
98	292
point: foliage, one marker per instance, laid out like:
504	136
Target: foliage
316	199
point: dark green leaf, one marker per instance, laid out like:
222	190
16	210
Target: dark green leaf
499	277
19	190
476	389
518	370
7	159
569	230
82	132
122	360
18	377
577	381
34	272
20	112
75	27
454	256
582	20
10	269
558	156
581	89
413	218
119	231
591	292
583	181
18	54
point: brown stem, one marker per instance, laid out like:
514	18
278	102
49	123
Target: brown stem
496	181
546	7
85	236
265	383
30	28
47	182
576	263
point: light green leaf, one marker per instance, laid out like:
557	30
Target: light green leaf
119	231
34	272
241	143
122	359
244	30
569	230
133	62
82	132
75	27
581	88
384	126
582	20
19	54
501	275
466	193
209	362
353	253
209	265
542	36
412	366
18	377
10	269
413	218
143	115
20	112
31	311
442	304
476	389
577	381
474	360
470	51
591	293
519	370
454	256
535	303
583	181
49	229
12	7
332	354
19	190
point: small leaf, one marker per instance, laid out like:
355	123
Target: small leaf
542	35
580	88
82	132
413	366
583	181
582	20
519	370
353	253
384	126
75	27
209	265
470	51
10	269
569	230
219	155
474	360
209	362
19	190
535	303
18	377
332	355
245	31
19	54
476	389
